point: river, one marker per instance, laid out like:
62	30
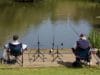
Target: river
58	22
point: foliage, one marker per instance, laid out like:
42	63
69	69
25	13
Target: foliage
94	38
7	1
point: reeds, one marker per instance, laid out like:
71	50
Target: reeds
94	38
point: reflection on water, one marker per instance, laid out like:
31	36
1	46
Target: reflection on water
60	20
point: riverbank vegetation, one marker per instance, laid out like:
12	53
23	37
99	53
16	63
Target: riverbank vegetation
95	39
10	1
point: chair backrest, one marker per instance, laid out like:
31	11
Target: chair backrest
15	50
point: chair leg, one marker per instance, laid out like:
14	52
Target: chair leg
22	60
19	61
8	58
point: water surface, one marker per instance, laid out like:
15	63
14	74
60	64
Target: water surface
59	22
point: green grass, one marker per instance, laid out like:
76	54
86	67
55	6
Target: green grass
51	71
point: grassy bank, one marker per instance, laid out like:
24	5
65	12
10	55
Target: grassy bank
51	71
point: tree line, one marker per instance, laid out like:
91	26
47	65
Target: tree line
2	1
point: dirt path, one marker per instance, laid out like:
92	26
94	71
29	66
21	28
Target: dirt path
66	56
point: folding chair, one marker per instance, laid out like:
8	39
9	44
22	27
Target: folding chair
16	52
83	56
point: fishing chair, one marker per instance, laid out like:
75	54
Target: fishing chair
83	56
16	52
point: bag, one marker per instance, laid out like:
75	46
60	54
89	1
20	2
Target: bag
15	50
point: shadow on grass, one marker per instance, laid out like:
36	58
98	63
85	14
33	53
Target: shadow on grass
68	64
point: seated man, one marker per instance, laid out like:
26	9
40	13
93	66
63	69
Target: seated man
82	50
15	48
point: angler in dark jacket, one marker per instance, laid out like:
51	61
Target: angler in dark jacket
82	49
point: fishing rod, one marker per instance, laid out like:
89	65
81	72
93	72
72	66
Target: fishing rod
58	54
38	53
53	44
74	30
